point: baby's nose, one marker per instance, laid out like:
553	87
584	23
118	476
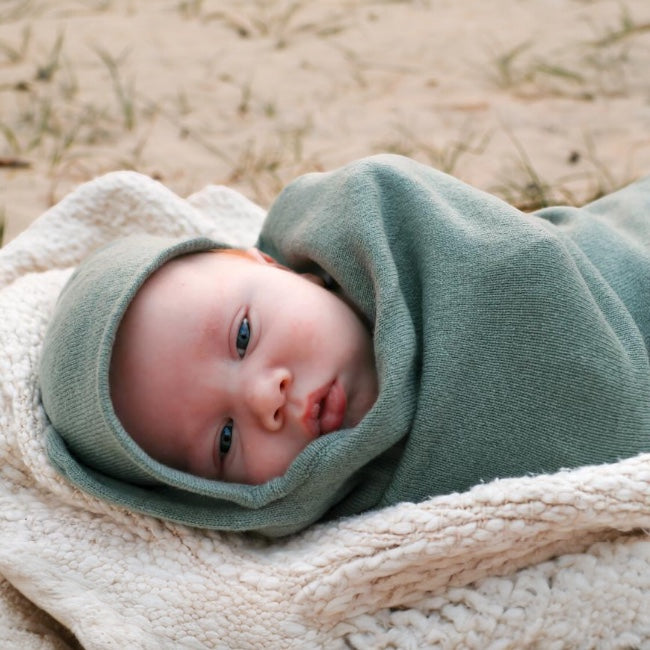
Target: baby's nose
268	396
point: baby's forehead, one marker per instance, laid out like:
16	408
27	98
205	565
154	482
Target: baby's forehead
221	272
189	264
182	274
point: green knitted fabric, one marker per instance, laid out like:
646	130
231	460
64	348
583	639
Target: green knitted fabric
506	344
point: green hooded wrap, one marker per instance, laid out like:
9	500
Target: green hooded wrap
506	344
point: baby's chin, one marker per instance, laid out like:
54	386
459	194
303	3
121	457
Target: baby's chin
360	408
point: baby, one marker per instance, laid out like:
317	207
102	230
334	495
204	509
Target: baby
226	366
457	341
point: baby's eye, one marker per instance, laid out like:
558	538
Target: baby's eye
225	438
243	337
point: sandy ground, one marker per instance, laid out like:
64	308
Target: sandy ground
538	101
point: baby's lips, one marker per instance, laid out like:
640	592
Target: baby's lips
332	412
311	416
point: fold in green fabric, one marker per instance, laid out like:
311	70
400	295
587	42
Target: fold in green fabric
506	344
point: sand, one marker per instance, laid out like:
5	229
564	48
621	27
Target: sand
538	101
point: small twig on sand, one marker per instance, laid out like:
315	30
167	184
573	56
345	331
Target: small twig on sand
15	163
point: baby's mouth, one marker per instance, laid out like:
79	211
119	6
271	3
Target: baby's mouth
325	409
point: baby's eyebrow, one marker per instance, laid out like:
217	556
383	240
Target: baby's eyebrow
214	332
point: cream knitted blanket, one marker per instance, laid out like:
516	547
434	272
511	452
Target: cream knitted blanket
558	561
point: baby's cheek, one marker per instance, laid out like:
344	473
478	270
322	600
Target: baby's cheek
272	460
305	340
257	468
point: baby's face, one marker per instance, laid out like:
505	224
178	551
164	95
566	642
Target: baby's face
228	366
